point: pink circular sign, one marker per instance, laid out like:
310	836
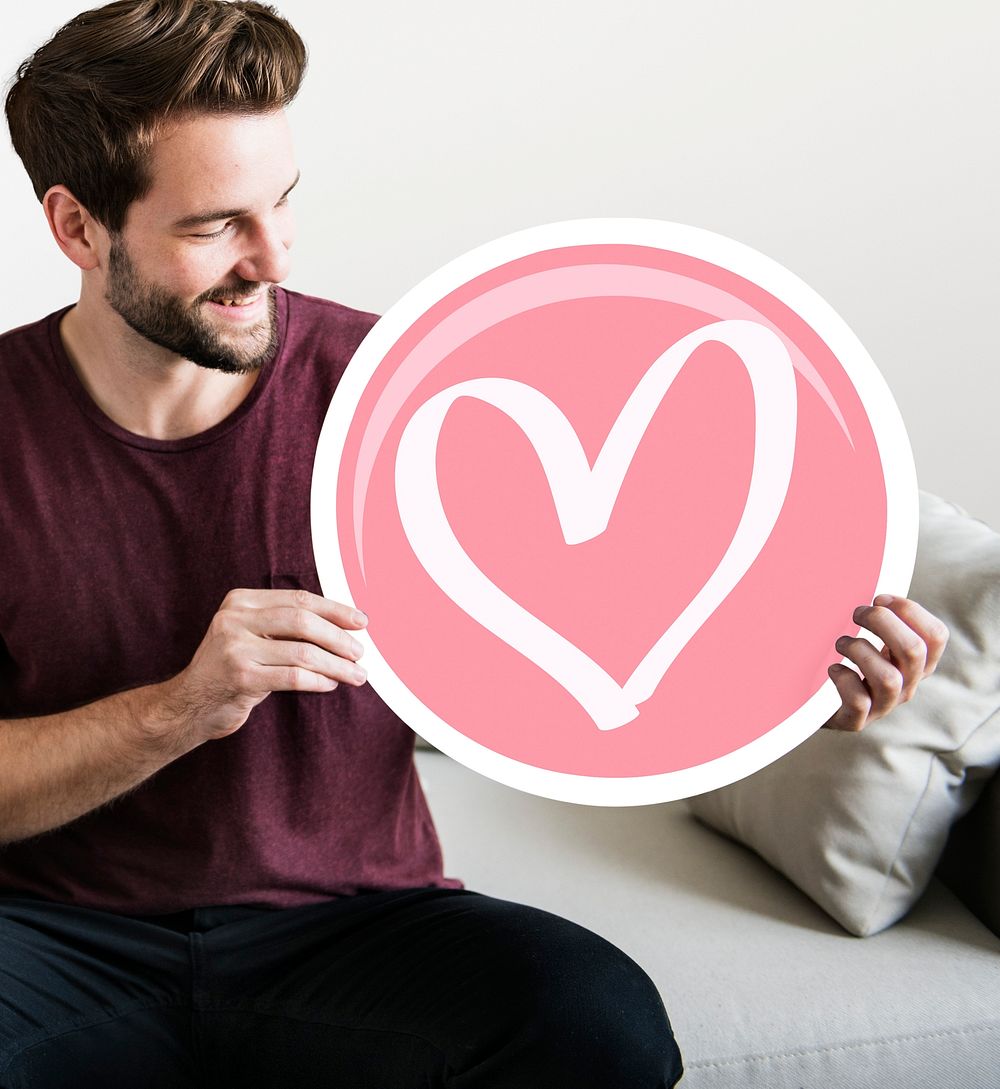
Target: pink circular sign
609	491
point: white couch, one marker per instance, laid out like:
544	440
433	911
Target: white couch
764	987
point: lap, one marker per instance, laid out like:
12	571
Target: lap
422	987
84	995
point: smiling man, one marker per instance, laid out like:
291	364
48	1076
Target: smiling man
218	865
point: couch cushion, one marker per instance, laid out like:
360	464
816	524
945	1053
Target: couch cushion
859	820
761	987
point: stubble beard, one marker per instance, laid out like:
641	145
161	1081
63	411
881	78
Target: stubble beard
165	320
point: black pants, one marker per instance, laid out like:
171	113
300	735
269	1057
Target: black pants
408	989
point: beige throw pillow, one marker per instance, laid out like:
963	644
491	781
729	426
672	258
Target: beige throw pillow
858	821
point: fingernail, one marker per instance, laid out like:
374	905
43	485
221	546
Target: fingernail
360	675
856	615
884	599
360	618
357	648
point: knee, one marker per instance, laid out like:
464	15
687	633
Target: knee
605	1021
556	1004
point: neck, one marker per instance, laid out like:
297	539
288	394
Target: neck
142	387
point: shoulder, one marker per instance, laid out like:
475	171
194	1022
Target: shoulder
319	341
26	358
33	334
318	322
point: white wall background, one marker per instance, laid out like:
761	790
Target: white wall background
854	142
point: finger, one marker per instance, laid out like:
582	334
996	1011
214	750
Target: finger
291	622
305	656
882	679
931	629
907	649
335	612
292	679
855	700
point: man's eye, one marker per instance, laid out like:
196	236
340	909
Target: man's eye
218	234
215	234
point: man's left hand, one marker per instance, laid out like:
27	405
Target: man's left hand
914	641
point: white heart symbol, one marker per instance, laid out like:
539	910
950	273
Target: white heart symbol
584	499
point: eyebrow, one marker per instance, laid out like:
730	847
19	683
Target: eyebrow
201	218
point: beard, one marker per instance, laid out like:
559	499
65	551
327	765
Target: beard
160	317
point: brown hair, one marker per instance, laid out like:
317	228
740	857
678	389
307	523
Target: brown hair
85	108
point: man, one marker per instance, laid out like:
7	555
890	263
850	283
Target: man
218	864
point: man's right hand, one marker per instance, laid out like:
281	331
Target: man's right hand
259	642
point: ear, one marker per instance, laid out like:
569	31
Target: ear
75	230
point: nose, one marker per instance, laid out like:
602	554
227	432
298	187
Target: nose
265	259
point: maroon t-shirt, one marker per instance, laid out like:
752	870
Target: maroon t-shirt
115	551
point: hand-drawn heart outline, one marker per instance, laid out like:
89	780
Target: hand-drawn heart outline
584	499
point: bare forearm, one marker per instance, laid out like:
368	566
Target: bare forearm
55	768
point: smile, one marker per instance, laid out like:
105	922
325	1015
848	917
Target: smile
240	308
248	301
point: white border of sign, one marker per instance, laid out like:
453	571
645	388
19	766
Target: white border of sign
887	425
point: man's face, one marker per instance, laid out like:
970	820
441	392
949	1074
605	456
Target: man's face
171	266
